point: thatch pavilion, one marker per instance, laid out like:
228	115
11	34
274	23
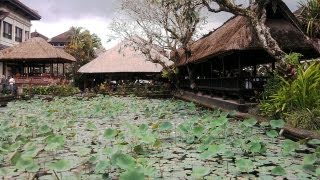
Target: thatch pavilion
122	62
35	62
227	61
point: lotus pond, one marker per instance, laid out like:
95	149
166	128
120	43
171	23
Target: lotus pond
134	138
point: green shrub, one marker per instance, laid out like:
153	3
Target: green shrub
300	93
305	118
299	96
56	90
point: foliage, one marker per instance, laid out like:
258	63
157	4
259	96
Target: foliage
136	89
56	90
297	97
310	17
82	46
305	118
136	138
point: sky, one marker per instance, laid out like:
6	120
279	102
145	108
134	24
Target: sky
95	15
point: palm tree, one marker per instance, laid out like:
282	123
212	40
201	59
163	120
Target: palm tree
82	45
309	15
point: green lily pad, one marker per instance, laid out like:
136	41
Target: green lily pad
272	134
110	133
143	127
245	165
309	159
60	165
132	175
198	130
44	129
200	172
102	166
219	121
289	146
27	164
278	171
125	162
277	124
318	171
314	142
165	126
255	147
250	122
55	143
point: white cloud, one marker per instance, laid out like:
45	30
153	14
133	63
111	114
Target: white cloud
95	25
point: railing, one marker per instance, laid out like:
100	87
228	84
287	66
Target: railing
40	81
228	83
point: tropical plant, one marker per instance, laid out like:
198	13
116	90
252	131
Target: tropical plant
300	92
309	16
82	46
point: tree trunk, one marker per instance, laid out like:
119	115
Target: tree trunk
265	37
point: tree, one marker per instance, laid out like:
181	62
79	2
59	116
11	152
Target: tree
256	14
159	25
82	45
309	15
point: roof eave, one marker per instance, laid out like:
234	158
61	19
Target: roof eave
33	15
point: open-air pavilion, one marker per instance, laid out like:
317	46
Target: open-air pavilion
227	61
35	62
121	63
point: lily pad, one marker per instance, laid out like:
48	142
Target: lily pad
132	174
250	122
314	142
200	172
278	171
110	133
60	165
102	166
245	165
310	159
272	134
165	126
277	124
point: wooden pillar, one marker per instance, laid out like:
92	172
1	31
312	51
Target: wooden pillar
223	67
273	66
63	73
57	69
43	68
51	69
241	86
27	70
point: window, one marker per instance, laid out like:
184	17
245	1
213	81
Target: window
7	30
26	35
18	37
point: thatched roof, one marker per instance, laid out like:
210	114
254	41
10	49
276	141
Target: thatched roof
35	49
122	59
62	38
36	34
237	34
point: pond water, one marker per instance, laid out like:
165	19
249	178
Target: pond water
136	138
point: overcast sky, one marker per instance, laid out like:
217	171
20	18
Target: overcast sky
95	15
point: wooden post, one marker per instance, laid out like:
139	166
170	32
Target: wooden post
51	69
57	69
240	85
63	70
273	66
